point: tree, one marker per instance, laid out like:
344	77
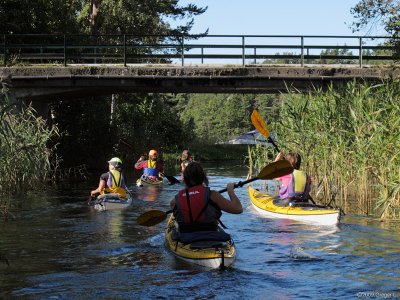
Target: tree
136	16
219	118
39	16
375	13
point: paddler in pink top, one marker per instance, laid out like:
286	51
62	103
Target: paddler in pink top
295	187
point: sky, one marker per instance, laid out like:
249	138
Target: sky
275	17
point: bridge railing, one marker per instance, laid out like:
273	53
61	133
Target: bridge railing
191	49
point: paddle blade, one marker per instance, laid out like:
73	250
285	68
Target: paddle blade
172	179
259	123
151	217
276	169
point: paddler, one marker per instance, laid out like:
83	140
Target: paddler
197	207
152	168
295	187
113	181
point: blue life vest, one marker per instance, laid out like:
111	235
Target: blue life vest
150	169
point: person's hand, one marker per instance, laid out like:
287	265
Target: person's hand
280	156
230	187
141	158
93	193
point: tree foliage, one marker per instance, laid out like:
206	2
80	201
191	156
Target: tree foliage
375	13
218	118
112	17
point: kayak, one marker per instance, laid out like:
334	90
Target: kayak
270	206
198	249
110	202
143	181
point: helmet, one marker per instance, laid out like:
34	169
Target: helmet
115	161
153	153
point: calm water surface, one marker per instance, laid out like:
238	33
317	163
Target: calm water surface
59	249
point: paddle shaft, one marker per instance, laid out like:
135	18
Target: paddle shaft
273	144
239	184
236	185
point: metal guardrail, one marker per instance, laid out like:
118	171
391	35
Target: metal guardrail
192	49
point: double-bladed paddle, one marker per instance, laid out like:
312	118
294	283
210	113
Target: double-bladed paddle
172	180
271	171
260	125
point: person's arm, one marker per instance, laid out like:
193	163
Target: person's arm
123	184
233	206
140	164
102	185
172	204
160	167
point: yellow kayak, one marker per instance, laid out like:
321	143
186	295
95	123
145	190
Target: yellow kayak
142	181
210	254
268	205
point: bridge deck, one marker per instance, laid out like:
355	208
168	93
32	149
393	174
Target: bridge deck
46	82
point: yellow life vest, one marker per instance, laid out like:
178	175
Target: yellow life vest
114	183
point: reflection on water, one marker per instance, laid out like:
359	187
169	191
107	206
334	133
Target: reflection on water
59	248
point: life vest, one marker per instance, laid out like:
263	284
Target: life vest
114	183
150	169
298	188
198	213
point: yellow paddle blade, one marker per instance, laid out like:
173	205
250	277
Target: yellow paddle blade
259	123
151	217
276	169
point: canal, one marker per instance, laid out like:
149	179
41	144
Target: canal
58	248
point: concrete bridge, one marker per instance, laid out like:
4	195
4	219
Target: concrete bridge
53	66
46	83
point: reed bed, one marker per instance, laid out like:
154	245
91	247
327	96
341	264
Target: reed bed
25	155
349	140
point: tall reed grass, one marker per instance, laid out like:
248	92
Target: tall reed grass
349	139
25	156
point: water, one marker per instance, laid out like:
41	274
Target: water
59	249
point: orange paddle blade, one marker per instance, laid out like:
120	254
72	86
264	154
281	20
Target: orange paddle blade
259	123
151	217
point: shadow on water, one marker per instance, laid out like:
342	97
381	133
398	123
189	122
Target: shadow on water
59	248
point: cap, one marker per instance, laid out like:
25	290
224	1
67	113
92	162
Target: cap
115	161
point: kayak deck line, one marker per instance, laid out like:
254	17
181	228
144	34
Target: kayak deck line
210	254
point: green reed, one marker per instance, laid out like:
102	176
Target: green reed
25	155
349	139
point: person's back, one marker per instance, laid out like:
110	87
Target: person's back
197	208
194	211
112	181
294	186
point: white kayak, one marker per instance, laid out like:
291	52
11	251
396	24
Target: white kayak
110	202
